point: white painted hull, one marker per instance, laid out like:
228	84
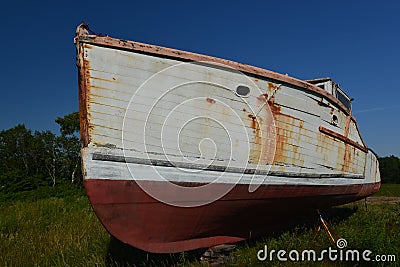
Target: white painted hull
120	93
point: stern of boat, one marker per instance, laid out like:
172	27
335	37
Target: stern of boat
371	173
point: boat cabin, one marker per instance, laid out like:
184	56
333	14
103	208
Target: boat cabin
328	85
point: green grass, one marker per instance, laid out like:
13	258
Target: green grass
62	230
389	190
51	232
377	229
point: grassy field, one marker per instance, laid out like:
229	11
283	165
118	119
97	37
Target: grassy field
389	190
62	230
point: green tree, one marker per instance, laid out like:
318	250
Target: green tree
48	151
69	124
389	168
18	169
70	147
32	159
15	149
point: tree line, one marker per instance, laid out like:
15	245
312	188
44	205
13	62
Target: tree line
390	169
32	159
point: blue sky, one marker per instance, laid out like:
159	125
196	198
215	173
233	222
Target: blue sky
357	43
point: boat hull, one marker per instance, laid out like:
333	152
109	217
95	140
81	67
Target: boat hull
183	151
131	215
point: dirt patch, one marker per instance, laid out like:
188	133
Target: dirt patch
382	200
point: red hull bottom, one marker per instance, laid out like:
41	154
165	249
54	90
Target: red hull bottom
135	218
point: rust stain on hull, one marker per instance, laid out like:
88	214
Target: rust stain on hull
263	98
263	148
272	87
84	91
349	153
255	150
289	130
210	100
285	127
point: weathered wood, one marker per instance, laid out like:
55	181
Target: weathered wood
112	86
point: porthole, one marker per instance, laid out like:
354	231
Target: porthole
335	120
242	91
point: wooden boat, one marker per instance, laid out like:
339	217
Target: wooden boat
184	151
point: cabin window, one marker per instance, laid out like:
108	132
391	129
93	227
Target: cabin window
242	90
343	99
322	86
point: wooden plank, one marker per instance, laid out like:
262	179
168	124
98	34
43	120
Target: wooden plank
343	138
